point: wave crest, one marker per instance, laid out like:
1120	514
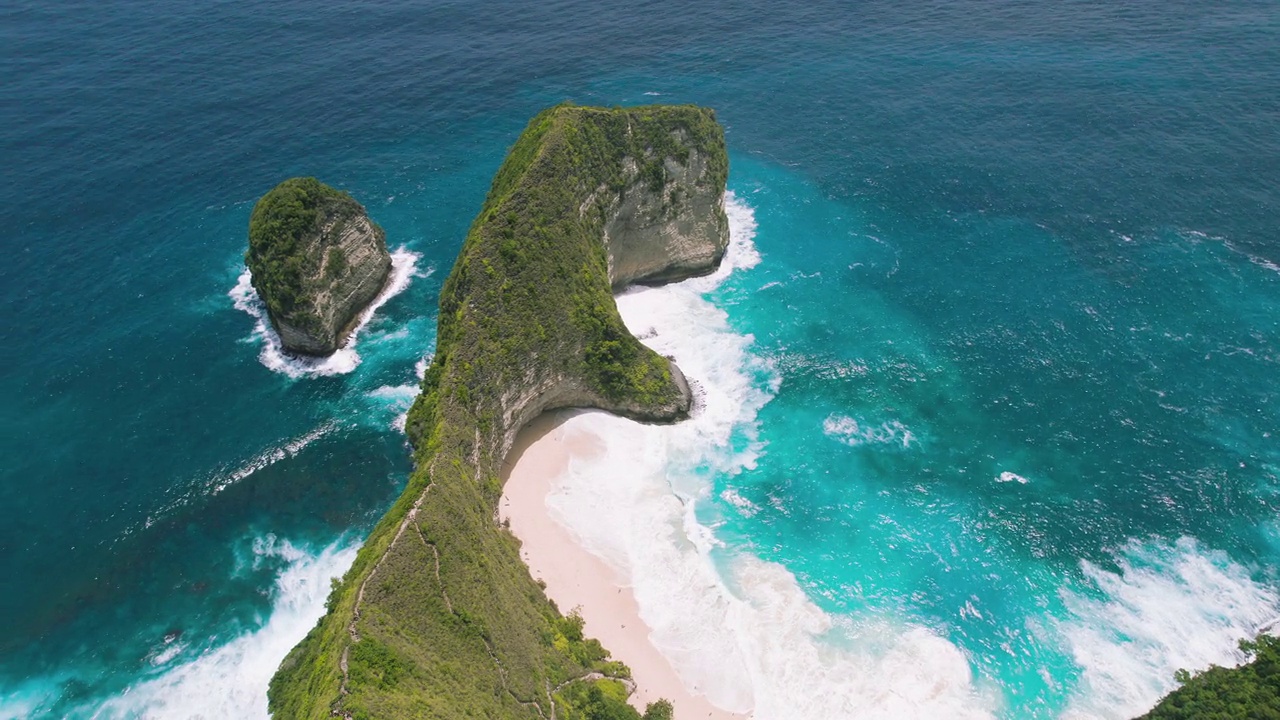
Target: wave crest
853	433
230	681
1164	608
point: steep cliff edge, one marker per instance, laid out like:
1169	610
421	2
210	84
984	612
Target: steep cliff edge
668	222
438	617
317	261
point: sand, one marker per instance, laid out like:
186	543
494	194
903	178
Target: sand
574	577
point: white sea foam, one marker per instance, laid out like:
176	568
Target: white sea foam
734	498
1008	476
738	630
1255	259
404	267
229	475
420	367
1166	607
823	368
267	458
169	649
853	433
230	680
399	398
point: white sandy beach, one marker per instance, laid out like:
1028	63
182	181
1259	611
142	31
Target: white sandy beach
575	578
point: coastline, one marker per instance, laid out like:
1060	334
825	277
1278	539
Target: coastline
574	577
404	268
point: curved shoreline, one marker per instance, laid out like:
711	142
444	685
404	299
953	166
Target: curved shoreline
575	578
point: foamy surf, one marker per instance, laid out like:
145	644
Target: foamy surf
398	399
737	630
267	458
853	433
230	680
1168	606
404	267
227	476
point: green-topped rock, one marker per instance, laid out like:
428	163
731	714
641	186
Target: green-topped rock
317	262
438	617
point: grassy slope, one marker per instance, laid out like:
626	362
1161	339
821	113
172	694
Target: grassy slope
448	620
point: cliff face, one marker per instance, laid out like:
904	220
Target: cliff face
317	261
667	226
438	617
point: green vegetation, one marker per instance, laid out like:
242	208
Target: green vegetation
438	617
281	221
660	710
1248	692
335	264
598	701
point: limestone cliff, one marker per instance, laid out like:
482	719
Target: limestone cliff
668	222
438	617
317	261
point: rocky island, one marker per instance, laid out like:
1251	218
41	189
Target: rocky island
317	261
438	617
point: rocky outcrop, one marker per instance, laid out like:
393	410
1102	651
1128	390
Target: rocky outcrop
317	261
521	405
337	297
660	232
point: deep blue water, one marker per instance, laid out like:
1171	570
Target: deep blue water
997	237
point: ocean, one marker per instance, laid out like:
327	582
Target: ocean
988	420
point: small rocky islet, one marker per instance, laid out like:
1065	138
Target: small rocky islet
317	261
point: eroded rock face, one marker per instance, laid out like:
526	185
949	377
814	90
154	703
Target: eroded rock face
662	233
337	298
317	262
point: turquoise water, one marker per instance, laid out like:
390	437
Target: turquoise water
1015	320
1067	470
